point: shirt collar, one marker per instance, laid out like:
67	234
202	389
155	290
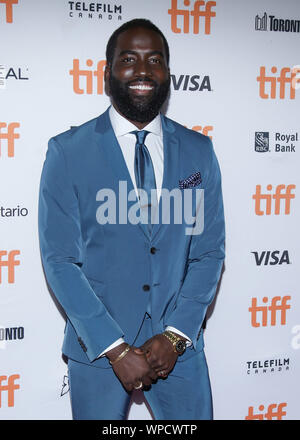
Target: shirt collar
122	126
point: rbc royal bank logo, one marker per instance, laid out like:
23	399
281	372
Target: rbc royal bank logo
261	141
194	19
280	142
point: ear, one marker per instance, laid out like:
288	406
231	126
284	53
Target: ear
107	72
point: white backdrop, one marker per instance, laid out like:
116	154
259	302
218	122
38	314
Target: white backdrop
253	355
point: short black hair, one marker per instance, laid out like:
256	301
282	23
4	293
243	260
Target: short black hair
135	23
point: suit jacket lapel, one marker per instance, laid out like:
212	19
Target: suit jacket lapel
115	158
116	161
171	165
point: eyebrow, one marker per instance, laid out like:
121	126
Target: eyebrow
132	52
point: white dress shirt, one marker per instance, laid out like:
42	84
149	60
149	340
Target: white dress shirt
154	142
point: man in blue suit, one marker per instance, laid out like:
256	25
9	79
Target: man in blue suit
135	287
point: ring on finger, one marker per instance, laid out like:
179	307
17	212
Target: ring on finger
139	386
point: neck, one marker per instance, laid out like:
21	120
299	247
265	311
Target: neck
139	125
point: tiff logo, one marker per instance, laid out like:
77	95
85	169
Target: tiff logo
282	192
204	130
274	411
9	136
196	13
10	263
278	303
9	9
88	74
286	76
10	387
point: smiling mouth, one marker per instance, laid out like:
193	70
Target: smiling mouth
141	87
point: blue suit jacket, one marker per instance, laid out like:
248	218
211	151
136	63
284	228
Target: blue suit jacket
97	272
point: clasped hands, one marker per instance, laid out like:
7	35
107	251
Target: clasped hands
145	364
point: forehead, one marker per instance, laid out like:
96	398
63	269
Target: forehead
139	39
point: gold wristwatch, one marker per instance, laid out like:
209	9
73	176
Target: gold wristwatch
179	345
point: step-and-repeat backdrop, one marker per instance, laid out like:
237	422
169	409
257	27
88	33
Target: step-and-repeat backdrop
235	77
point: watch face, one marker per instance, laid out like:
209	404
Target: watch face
180	346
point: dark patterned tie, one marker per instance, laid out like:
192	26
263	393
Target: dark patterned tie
144	175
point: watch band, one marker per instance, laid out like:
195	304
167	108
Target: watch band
179	344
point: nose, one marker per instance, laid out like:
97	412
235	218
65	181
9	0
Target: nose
142	68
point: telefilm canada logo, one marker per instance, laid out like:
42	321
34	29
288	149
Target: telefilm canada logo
277	142
268	366
267	22
94	10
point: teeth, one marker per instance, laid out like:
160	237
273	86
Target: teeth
141	87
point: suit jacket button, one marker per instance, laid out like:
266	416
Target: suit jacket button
146	287
153	250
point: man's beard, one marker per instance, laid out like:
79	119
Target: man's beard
138	108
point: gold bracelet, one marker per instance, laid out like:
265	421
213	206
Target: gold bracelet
121	355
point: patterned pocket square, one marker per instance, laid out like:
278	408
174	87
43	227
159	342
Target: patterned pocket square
191	181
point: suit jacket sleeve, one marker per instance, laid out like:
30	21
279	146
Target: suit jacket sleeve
62	253
205	260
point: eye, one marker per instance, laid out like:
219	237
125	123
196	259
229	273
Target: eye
128	59
155	60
